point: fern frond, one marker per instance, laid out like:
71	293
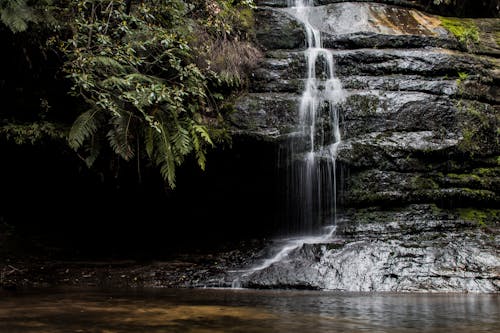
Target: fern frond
119	135
198	150
16	15
203	132
116	82
138	77
108	63
201	159
149	141
165	157
94	150
182	141
84	126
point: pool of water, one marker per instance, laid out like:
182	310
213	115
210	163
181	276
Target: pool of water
227	310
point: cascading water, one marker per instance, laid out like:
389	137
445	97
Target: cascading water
312	177
313	152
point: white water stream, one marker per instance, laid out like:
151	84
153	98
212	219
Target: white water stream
313	174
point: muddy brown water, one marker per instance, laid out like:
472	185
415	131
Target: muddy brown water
227	310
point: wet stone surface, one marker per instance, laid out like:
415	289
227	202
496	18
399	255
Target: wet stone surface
419	150
417	248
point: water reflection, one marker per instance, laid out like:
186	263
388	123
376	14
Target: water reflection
198	310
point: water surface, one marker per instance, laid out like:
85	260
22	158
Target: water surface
226	310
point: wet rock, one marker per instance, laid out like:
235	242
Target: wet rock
385	187
394	150
428	63
350	17
265	116
361	40
284	3
381	111
277	30
272	3
419	127
416	248
488	35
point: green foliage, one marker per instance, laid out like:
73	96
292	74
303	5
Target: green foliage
153	78
18	14
464	30
136	74
34	132
222	31
462	77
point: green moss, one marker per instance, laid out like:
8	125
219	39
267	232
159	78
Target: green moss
482	217
465	178
497	38
421	183
487	172
487	178
478	194
464	30
479	128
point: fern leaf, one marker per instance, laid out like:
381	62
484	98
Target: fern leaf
137	77
182	141
119	136
16	15
195	139
149	141
203	132
116	82
84	126
198	149
201	159
166	158
108	62
94	151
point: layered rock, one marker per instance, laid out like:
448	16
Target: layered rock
420	248
420	125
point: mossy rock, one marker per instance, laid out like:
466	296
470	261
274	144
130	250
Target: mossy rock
479	124
479	35
481	217
465	30
480	178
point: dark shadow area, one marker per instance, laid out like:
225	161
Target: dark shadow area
50	198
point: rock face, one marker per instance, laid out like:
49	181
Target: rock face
420	148
418	248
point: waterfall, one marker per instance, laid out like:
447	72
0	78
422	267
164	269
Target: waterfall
312	180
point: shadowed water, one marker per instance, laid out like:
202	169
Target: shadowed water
225	310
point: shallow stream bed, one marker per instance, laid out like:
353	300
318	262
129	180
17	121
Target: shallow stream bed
227	310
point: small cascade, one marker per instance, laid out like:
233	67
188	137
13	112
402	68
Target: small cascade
292	244
312	191
282	251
